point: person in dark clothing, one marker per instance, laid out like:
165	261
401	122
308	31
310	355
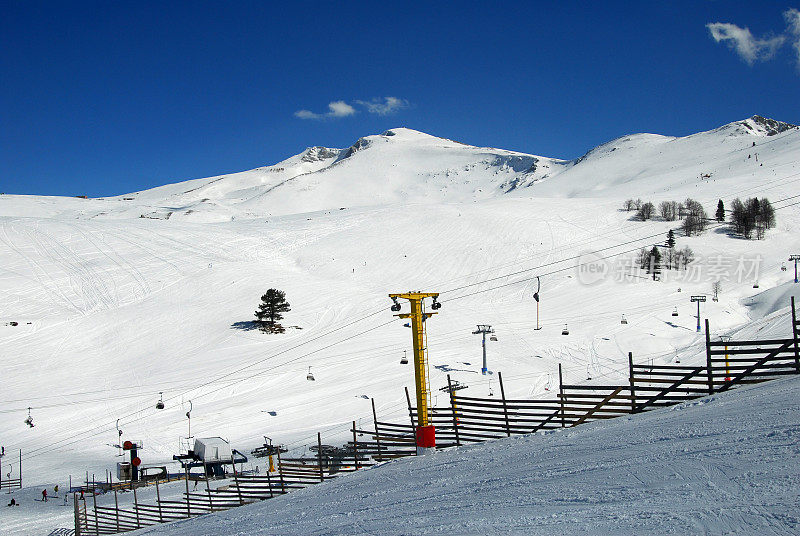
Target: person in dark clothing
13	502
44	495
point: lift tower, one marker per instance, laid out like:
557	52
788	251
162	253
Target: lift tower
483	330
699	299
426	434
795	258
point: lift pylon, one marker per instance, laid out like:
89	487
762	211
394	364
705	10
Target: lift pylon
426	438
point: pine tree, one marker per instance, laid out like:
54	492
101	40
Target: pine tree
270	310
670	239
655	262
720	215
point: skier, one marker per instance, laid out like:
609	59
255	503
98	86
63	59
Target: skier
44	495
13	502
82	498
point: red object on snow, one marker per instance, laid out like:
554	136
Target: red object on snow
136	462
426	436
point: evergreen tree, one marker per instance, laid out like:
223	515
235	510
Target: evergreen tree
720	215
270	310
753	215
670	239
655	262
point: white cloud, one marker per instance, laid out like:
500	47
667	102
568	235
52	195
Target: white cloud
792	17
340	109
744	43
388	105
335	109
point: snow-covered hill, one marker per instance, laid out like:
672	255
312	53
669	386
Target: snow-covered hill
119	299
727	464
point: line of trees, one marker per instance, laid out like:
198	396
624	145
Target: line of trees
753	215
652	260
690	211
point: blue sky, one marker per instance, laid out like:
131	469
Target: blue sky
105	98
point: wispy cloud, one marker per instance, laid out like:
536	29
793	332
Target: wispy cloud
376	106
746	45
792	17
335	109
385	106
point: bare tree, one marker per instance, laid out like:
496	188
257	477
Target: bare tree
646	211
668	210
686	255
716	288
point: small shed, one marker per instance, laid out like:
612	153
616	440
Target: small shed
212	450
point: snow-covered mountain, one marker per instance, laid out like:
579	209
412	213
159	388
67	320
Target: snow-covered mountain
406	166
119	299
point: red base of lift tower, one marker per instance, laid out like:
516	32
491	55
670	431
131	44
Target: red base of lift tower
426	439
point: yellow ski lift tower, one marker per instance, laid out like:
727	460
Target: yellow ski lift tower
426	434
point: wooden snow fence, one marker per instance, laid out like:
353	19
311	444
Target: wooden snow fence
467	420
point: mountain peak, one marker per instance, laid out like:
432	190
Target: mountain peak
771	126
315	154
755	126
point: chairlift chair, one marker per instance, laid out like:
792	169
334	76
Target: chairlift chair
783	267
588	373
309	376
493	338
404	359
675	312
29	419
755	285
491	393
624	320
160	403
565	331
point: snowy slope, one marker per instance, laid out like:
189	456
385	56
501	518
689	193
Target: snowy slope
726	464
114	308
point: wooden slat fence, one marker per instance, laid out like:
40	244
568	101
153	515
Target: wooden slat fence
468	420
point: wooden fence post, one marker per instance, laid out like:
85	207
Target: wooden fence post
795	334
236	481
94	500
505	406
136	508
188	503
411	414
77	514
708	361
355	446
453	408
116	508
319	456
377	433
630	376
158	501
561	394
280	471
208	487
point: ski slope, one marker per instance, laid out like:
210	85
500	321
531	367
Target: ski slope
119	299
725	464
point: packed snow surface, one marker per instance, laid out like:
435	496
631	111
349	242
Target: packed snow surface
117	300
725	464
